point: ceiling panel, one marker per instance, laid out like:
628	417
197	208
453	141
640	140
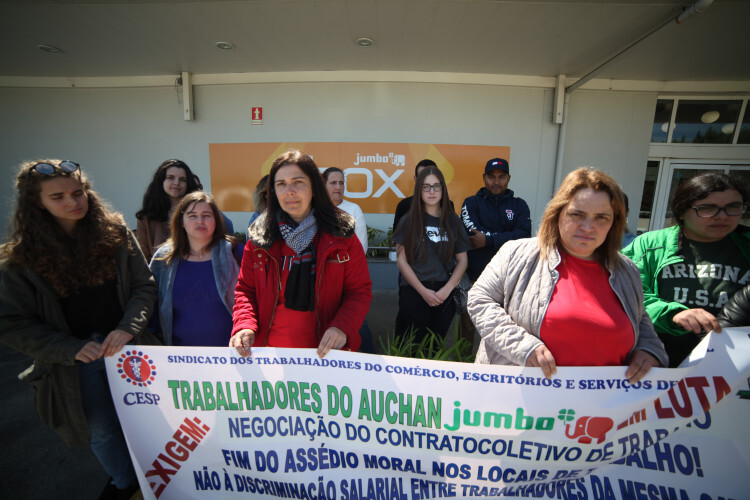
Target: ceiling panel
536	38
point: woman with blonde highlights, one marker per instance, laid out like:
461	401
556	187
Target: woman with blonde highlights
75	288
568	297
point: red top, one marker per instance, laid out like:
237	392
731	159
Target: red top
343	290
585	323
291	327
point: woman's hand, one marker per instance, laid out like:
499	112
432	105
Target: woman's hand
243	341
444	293
114	342
542	357
89	352
333	338
640	366
431	297
697	321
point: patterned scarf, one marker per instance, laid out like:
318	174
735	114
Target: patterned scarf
299	293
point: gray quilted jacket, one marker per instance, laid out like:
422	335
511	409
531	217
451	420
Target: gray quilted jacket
508	302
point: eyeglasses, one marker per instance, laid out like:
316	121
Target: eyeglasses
732	210
432	187
48	169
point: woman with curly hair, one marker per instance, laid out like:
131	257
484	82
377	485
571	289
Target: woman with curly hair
75	288
198	256
172	180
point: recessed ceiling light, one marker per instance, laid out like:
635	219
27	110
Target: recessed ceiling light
49	48
225	45
710	116
365	42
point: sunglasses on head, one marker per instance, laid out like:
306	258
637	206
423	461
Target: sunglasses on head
45	168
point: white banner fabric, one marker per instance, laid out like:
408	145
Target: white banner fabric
206	423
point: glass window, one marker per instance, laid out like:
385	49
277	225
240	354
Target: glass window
662	117
709	122
744	176
744	137
647	200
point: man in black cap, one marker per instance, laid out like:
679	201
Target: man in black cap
493	216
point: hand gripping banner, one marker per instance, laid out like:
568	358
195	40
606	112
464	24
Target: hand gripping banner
206	423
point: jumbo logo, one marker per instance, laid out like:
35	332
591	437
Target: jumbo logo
135	368
395	159
588	428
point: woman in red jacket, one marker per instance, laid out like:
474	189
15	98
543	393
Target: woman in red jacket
304	280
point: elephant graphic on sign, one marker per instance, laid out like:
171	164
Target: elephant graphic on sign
399	160
588	428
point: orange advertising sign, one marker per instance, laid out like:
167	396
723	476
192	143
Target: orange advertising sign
378	175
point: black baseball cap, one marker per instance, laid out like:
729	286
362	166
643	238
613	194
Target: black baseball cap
497	163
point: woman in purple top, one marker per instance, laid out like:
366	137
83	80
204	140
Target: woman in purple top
196	271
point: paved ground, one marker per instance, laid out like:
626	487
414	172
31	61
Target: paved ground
34	461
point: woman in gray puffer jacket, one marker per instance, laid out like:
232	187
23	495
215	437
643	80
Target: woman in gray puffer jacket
568	297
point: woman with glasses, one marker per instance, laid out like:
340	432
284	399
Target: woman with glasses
431	246
75	288
692	269
304	280
198	257
172	180
568	297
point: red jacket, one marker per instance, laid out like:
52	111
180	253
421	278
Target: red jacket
343	289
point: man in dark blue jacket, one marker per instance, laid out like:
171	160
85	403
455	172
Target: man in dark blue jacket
493	216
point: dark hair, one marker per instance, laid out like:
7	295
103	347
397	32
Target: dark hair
701	186
414	224
37	241
329	218
179	238
327	173
424	163
156	202
260	194
585	178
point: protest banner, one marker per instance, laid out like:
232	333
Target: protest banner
206	423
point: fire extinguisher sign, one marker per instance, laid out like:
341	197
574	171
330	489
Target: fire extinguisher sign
257	116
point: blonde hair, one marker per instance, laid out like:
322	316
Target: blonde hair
585	178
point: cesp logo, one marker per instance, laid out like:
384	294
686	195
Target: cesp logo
135	368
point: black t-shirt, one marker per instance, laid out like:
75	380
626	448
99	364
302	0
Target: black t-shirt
431	268
93	309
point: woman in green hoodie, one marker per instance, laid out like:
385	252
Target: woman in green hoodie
690	270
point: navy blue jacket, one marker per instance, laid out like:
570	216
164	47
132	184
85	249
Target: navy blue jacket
500	217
